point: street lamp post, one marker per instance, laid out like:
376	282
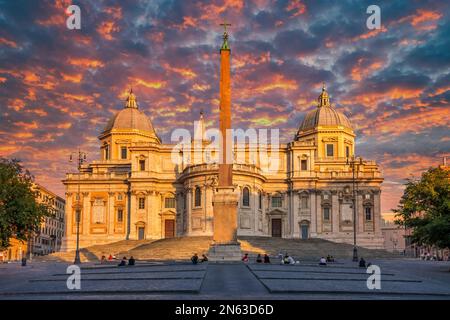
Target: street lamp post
81	160
354	162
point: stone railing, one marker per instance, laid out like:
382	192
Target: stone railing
96	176
337	175
343	159
215	166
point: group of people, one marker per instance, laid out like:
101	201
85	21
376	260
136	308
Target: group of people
323	261
428	256
196	260
259	258
123	262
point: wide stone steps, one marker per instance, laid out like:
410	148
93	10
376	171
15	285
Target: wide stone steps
184	247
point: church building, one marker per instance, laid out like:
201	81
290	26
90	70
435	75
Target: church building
136	191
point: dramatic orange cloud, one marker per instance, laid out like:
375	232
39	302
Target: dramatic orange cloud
297	7
86	62
370	34
362	69
75	78
423	20
148	84
185	72
7	42
27	125
107	28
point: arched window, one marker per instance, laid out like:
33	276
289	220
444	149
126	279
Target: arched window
246	197
198	197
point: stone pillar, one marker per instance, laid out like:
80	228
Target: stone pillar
295	212
86	214
318	212
110	217
335	212
68	239
359	213
313	211
133	213
377	213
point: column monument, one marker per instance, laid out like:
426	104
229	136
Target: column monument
225	246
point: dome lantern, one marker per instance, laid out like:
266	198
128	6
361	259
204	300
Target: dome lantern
324	116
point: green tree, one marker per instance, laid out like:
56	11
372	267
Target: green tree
20	213
425	208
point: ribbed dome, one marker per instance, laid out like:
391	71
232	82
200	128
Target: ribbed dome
324	115
130	118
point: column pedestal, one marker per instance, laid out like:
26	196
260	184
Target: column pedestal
225	246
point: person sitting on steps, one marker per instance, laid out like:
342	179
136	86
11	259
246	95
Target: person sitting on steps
194	258
245	258
123	262
322	261
131	262
204	258
288	259
258	258
266	258
362	263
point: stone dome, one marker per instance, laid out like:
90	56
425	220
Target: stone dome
130	118
324	115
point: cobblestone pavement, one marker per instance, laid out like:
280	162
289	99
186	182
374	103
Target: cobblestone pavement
400	279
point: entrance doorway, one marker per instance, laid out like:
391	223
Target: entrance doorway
169	228
276	228
304	228
141	233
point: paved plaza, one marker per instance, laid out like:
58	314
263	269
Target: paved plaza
400	279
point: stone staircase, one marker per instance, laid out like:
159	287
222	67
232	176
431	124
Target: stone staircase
182	248
310	249
94	253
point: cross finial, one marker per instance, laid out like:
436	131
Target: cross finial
225	45
225	24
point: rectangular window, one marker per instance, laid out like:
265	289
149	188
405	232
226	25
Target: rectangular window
368	211
347	151
304	165
119	215
123	153
142	165
277	202
304	202
330	150
326	214
169	203
107	152
141	203
119	197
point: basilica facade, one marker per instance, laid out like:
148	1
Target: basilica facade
137	191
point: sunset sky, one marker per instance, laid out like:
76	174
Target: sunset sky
58	87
